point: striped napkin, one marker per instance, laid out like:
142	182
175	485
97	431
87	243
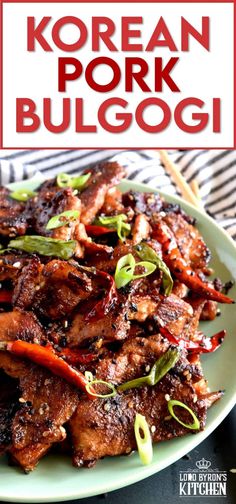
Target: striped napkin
215	171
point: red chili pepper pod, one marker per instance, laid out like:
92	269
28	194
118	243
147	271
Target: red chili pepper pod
47	357
180	268
202	345
102	307
93	230
5	296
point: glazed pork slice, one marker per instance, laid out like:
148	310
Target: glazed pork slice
47	403
189	241
20	325
11	265
106	426
50	201
171	312
13	221
103	177
9	404
110	327
52	290
33	424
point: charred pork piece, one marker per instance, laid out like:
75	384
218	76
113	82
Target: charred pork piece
11	265
102	262
113	202
103	177
174	208
20	325
179	289
170	312
141	229
209	310
191	326
47	403
13	221
50	202
108	264
149	204
190	243
110	327
9	404
106	427
54	290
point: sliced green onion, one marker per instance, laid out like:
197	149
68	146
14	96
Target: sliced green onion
158	370
172	403
44	246
117	222
22	194
144	440
125	270
100	382
89	376
147	253
65	180
62	219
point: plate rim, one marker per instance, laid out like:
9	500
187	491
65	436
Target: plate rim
195	440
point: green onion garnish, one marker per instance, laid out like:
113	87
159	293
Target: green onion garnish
158	370
89	376
125	270
117	222
22	194
172	403
44	246
148	254
65	180
101	382
62	219
143	439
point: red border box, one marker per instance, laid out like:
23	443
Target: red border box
111	1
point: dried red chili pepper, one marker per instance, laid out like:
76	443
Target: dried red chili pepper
47	357
75	357
5	296
103	306
180	268
202	345
98	230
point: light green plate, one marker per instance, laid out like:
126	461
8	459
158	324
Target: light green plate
56	480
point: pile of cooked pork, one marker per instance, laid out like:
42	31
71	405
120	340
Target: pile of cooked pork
64	318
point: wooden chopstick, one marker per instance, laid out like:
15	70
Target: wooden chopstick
195	188
185	189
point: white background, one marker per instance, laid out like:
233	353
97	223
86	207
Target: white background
199	73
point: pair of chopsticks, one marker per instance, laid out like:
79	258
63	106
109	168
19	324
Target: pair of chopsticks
189	192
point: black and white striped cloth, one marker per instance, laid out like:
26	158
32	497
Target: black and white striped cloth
215	171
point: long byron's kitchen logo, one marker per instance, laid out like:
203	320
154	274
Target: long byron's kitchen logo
203	481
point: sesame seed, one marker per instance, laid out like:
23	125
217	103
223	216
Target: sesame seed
147	368
66	324
195	398
16	264
107	406
22	400
153	429
167	397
